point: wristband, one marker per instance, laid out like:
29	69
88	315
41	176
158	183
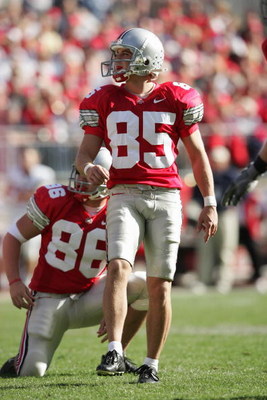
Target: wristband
14	231
14	281
87	166
210	201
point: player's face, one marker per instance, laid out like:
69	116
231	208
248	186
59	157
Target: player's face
122	57
82	184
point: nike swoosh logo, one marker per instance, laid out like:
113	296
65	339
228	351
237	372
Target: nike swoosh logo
159	100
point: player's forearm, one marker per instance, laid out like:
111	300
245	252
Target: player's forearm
203	176
11	254
82	160
87	152
200	163
257	167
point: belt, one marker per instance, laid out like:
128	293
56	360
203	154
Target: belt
73	296
141	188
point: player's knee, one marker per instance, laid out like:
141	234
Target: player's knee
119	268
159	289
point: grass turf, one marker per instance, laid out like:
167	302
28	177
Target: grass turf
216	349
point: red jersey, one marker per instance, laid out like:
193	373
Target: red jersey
142	134
73	243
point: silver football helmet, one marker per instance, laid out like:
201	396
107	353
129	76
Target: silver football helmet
147	55
82	187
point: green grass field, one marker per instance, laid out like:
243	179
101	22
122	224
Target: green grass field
217	349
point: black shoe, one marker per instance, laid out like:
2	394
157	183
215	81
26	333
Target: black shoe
147	374
111	364
8	368
130	367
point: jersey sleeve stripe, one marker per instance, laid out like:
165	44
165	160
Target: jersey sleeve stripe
193	115
36	215
89	118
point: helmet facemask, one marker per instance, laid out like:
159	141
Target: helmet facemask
83	189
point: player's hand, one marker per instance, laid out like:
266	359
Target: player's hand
97	174
102	330
245	183
21	296
208	222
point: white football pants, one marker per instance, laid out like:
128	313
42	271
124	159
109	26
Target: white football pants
53	314
148	214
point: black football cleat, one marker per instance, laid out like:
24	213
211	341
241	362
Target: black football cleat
130	367
147	374
111	364
8	368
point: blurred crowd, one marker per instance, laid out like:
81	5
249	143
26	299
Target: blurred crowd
51	51
50	54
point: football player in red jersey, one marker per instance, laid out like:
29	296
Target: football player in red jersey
141	123
67	284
